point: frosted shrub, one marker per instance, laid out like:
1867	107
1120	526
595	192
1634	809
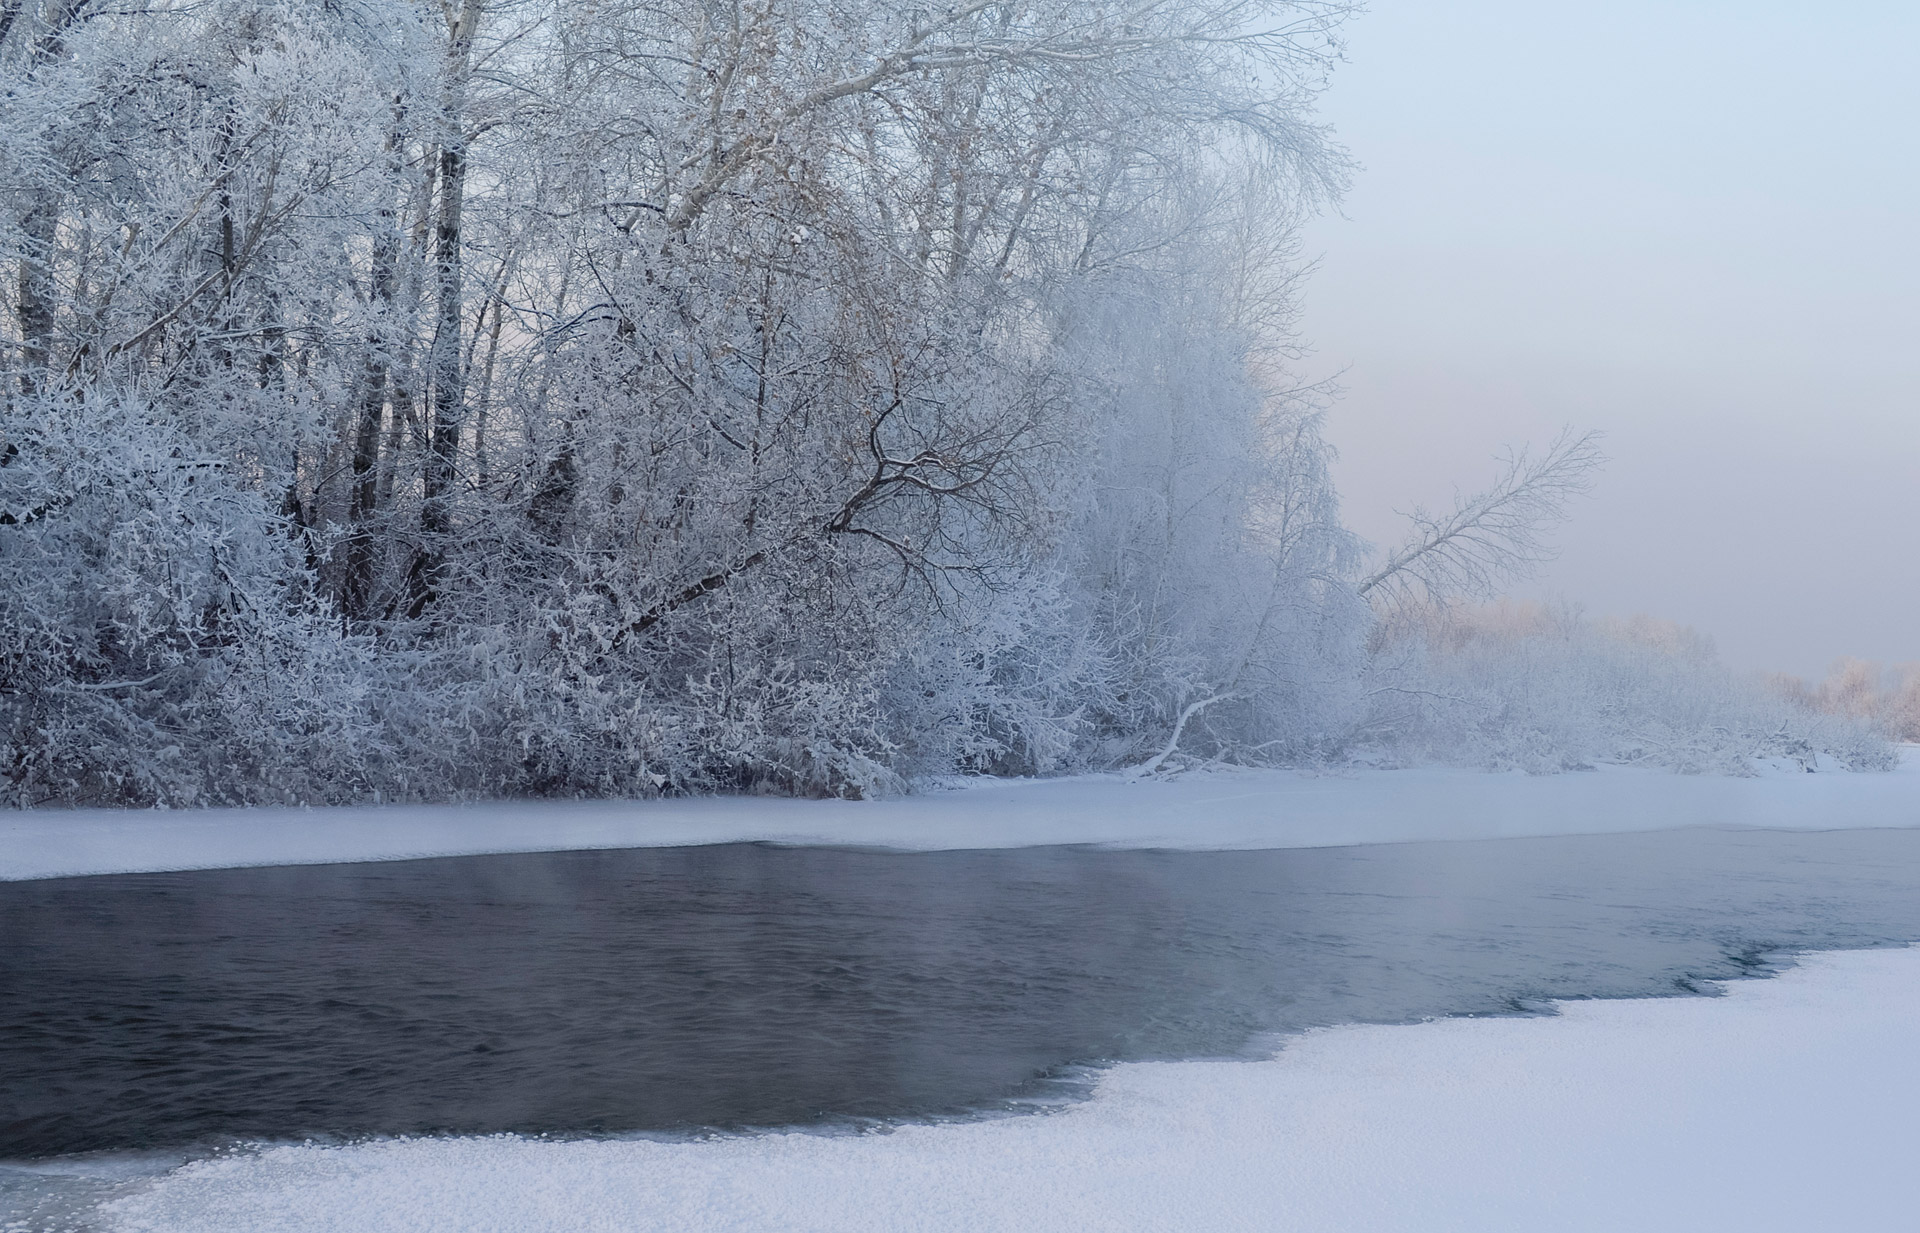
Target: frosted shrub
162	648
1886	696
1544	689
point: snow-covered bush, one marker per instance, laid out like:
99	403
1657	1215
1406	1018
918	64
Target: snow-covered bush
163	643
1880	694
1546	689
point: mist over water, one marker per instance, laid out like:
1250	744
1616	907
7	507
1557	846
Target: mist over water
674	990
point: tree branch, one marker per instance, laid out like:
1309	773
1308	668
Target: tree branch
1495	534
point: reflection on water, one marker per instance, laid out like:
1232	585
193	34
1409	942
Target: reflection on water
746	985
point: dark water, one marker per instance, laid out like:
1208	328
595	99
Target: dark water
745	985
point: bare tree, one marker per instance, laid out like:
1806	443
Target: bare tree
1493	535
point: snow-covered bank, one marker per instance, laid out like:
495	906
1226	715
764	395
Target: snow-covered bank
1251	809
1785	1105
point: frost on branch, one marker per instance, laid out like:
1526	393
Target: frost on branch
1494	536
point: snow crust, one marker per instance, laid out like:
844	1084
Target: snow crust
1240	809
1226	809
1785	1105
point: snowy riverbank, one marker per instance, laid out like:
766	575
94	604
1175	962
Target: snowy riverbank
1784	1105
1225	809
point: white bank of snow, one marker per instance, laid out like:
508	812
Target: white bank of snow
1244	809
1789	1105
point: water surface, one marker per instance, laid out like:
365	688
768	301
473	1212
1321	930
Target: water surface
741	985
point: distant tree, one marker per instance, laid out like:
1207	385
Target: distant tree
1885	695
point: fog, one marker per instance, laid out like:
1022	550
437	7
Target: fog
1689	225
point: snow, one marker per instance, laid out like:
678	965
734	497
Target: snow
1785	1105
1244	809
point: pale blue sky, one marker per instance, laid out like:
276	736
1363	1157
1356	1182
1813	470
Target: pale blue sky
1693	225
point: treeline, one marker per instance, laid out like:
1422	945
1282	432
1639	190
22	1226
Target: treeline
1887	696
509	397
1544	688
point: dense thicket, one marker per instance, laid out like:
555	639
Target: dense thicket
1545	689
519	396
1884	696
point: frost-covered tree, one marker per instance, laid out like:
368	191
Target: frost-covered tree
1885	695
507	396
623	398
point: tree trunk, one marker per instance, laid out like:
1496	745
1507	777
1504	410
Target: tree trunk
40	223
34	306
444	367
363	550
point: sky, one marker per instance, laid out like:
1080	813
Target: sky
1693	226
